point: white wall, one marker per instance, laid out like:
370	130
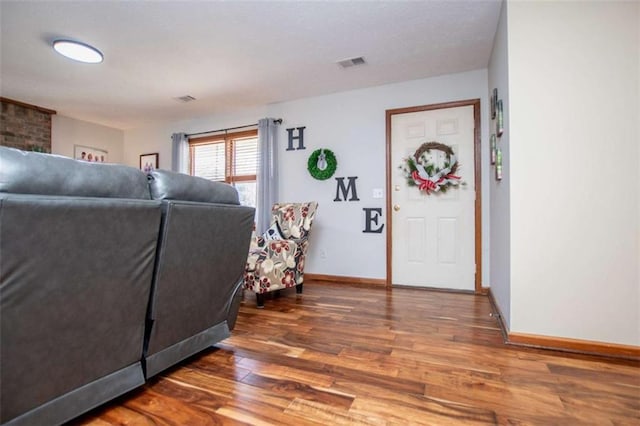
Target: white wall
352	125
573	77
67	132
500	219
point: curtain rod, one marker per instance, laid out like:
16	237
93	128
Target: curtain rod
279	121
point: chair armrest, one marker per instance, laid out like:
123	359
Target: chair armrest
301	243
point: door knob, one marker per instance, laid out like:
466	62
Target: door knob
396	207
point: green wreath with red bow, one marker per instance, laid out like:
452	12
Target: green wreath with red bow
428	176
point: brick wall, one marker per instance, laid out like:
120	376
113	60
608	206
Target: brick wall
25	126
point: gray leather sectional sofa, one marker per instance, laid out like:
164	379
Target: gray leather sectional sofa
107	277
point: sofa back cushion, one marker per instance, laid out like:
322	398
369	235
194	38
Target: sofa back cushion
23	172
165	185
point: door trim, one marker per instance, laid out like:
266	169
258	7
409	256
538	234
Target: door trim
477	180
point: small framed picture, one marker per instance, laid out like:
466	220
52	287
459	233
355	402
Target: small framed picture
500	119
90	154
149	162
494	148
494	101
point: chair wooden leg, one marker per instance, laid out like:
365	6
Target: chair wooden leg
299	288
260	300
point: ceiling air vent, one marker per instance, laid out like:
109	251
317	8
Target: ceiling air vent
185	98
351	62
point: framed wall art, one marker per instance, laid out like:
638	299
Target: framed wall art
499	119
149	162
494	147
494	101
90	154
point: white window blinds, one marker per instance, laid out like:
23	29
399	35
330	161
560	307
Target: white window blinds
209	161
245	157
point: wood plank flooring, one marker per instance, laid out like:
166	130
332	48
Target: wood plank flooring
342	355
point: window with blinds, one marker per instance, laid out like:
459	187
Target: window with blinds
209	161
231	158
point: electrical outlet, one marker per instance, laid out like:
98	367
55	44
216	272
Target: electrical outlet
377	193
323	254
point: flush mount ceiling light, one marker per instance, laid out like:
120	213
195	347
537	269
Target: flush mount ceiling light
78	51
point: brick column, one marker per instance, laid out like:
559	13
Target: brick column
24	126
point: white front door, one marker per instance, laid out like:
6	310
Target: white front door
433	235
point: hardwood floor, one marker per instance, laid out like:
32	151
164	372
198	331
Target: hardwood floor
341	355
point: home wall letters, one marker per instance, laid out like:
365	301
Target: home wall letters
350	188
299	138
344	192
371	216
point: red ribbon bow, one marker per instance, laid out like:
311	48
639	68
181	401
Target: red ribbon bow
428	185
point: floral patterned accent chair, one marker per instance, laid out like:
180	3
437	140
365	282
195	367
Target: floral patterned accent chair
276	258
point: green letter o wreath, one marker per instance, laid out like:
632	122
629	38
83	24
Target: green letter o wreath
312	164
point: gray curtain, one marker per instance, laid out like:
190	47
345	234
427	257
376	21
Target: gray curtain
267	172
180	153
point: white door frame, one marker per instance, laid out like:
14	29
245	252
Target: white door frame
477	179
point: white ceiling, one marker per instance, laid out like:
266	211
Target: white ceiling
228	55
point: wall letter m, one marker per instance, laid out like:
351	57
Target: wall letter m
345	190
